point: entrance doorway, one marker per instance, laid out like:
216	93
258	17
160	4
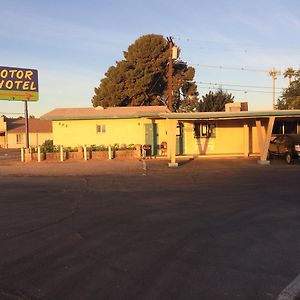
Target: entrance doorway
151	136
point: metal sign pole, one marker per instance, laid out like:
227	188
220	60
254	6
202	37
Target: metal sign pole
26	125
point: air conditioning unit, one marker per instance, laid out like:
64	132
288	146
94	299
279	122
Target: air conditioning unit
236	106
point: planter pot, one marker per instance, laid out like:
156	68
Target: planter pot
35	156
75	155
55	156
126	154
99	154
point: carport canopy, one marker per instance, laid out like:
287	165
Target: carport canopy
264	132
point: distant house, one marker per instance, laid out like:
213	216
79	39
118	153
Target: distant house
12	132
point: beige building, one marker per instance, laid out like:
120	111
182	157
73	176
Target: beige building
12	132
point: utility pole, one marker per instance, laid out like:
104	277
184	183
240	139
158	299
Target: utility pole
173	54
273	73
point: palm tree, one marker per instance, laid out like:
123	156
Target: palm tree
289	72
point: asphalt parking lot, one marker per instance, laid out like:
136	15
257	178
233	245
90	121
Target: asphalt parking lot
210	229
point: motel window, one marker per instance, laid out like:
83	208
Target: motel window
285	127
277	127
100	128
204	130
179	129
290	127
19	138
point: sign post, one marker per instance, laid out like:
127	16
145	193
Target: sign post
26	124
18	84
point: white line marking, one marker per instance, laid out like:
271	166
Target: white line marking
144	167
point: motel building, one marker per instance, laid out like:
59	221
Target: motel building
235	132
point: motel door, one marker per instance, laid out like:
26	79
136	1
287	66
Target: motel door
179	139
151	136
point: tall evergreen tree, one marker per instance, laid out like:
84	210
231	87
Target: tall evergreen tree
141	77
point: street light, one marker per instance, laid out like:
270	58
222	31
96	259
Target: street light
273	73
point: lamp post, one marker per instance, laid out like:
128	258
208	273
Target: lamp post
273	73
173	54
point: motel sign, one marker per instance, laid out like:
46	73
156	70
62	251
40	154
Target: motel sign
18	84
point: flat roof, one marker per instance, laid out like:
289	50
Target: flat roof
162	112
90	113
231	115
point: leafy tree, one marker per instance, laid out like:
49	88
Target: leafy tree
290	98
184	88
141	77
215	101
30	117
281	104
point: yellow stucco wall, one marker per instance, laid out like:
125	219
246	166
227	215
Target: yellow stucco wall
2	141
254	146
71	133
230	138
3	125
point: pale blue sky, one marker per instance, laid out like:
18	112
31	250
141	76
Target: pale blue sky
72	43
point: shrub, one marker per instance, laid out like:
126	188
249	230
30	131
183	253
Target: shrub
48	146
124	147
70	149
113	147
97	148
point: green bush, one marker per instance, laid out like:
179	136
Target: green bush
123	147
70	149
113	147
97	148
48	146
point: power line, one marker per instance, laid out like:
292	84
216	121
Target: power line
230	68
242	46
237	85
240	90
12	113
179	38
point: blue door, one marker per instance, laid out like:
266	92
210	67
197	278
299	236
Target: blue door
151	136
179	139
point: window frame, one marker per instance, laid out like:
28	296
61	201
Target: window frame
19	138
100	128
205	130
